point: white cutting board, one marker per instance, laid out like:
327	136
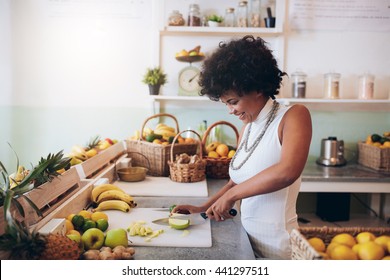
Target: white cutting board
163	186
198	236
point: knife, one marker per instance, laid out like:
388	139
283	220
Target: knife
195	219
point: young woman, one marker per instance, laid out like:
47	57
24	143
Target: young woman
265	172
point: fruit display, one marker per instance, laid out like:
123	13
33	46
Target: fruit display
377	140
79	154
111	197
219	150
162	134
345	246
192	55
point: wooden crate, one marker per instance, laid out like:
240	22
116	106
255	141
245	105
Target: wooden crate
374	157
47	197
95	165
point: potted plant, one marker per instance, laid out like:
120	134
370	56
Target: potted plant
154	78
214	20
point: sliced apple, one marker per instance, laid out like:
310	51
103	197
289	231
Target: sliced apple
179	223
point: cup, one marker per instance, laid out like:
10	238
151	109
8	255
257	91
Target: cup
270	22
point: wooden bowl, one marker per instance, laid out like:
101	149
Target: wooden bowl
132	174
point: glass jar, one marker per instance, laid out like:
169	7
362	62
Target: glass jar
229	17
176	19
298	84
255	17
332	85
242	14
194	18
366	86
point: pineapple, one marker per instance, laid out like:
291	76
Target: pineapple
25	245
93	143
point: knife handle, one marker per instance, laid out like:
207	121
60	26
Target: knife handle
232	212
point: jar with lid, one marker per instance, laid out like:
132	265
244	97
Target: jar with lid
242	14
254	14
366	86
176	19
194	18
298	84
332	85
229	17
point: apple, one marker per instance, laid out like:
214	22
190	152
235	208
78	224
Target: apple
109	141
116	237
93	238
74	237
193	53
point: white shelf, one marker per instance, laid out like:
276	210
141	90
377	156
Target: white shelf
212	31
179	98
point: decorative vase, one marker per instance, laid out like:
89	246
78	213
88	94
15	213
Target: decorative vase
154	89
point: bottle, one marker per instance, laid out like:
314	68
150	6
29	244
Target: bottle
176	19
242	14
229	17
366	86
255	17
194	18
332	85
298	84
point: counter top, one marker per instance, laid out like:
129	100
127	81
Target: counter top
351	172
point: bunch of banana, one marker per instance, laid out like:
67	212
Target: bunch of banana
15	179
111	197
165	131
77	155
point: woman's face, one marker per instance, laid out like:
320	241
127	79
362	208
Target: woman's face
246	107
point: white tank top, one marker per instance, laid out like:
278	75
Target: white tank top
269	218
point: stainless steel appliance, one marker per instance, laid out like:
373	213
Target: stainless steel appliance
332	152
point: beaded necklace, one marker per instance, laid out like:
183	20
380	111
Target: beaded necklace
251	149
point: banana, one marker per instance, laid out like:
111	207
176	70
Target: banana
79	152
165	133
112	205
115	195
96	191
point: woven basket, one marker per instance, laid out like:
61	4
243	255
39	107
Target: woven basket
302	250
374	157
157	154
217	168
187	172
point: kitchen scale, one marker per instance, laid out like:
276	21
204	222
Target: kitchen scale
189	76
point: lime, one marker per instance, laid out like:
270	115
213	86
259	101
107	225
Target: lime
179	223
102	224
78	221
172	207
88	224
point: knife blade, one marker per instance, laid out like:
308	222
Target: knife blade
195	218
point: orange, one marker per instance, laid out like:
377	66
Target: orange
383	240
189	140
70	217
343	252
213	154
222	150
371	251
317	243
68	225
231	153
344	238
365	236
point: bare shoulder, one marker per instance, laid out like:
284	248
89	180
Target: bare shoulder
299	112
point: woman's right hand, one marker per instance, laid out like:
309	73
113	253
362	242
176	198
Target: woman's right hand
187	209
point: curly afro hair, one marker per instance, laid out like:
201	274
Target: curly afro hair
243	65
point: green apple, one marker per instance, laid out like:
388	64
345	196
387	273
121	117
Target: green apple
116	237
93	238
74	237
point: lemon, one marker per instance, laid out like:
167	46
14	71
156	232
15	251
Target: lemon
371	251
86	214
343	252
365	236
386	258
356	247
383	240
231	153
68	225
344	238
179	223
213	154
330	247
70	216
99	215
317	243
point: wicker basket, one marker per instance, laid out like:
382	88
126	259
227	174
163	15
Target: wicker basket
187	172
157	154
302	250
374	157
217	168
